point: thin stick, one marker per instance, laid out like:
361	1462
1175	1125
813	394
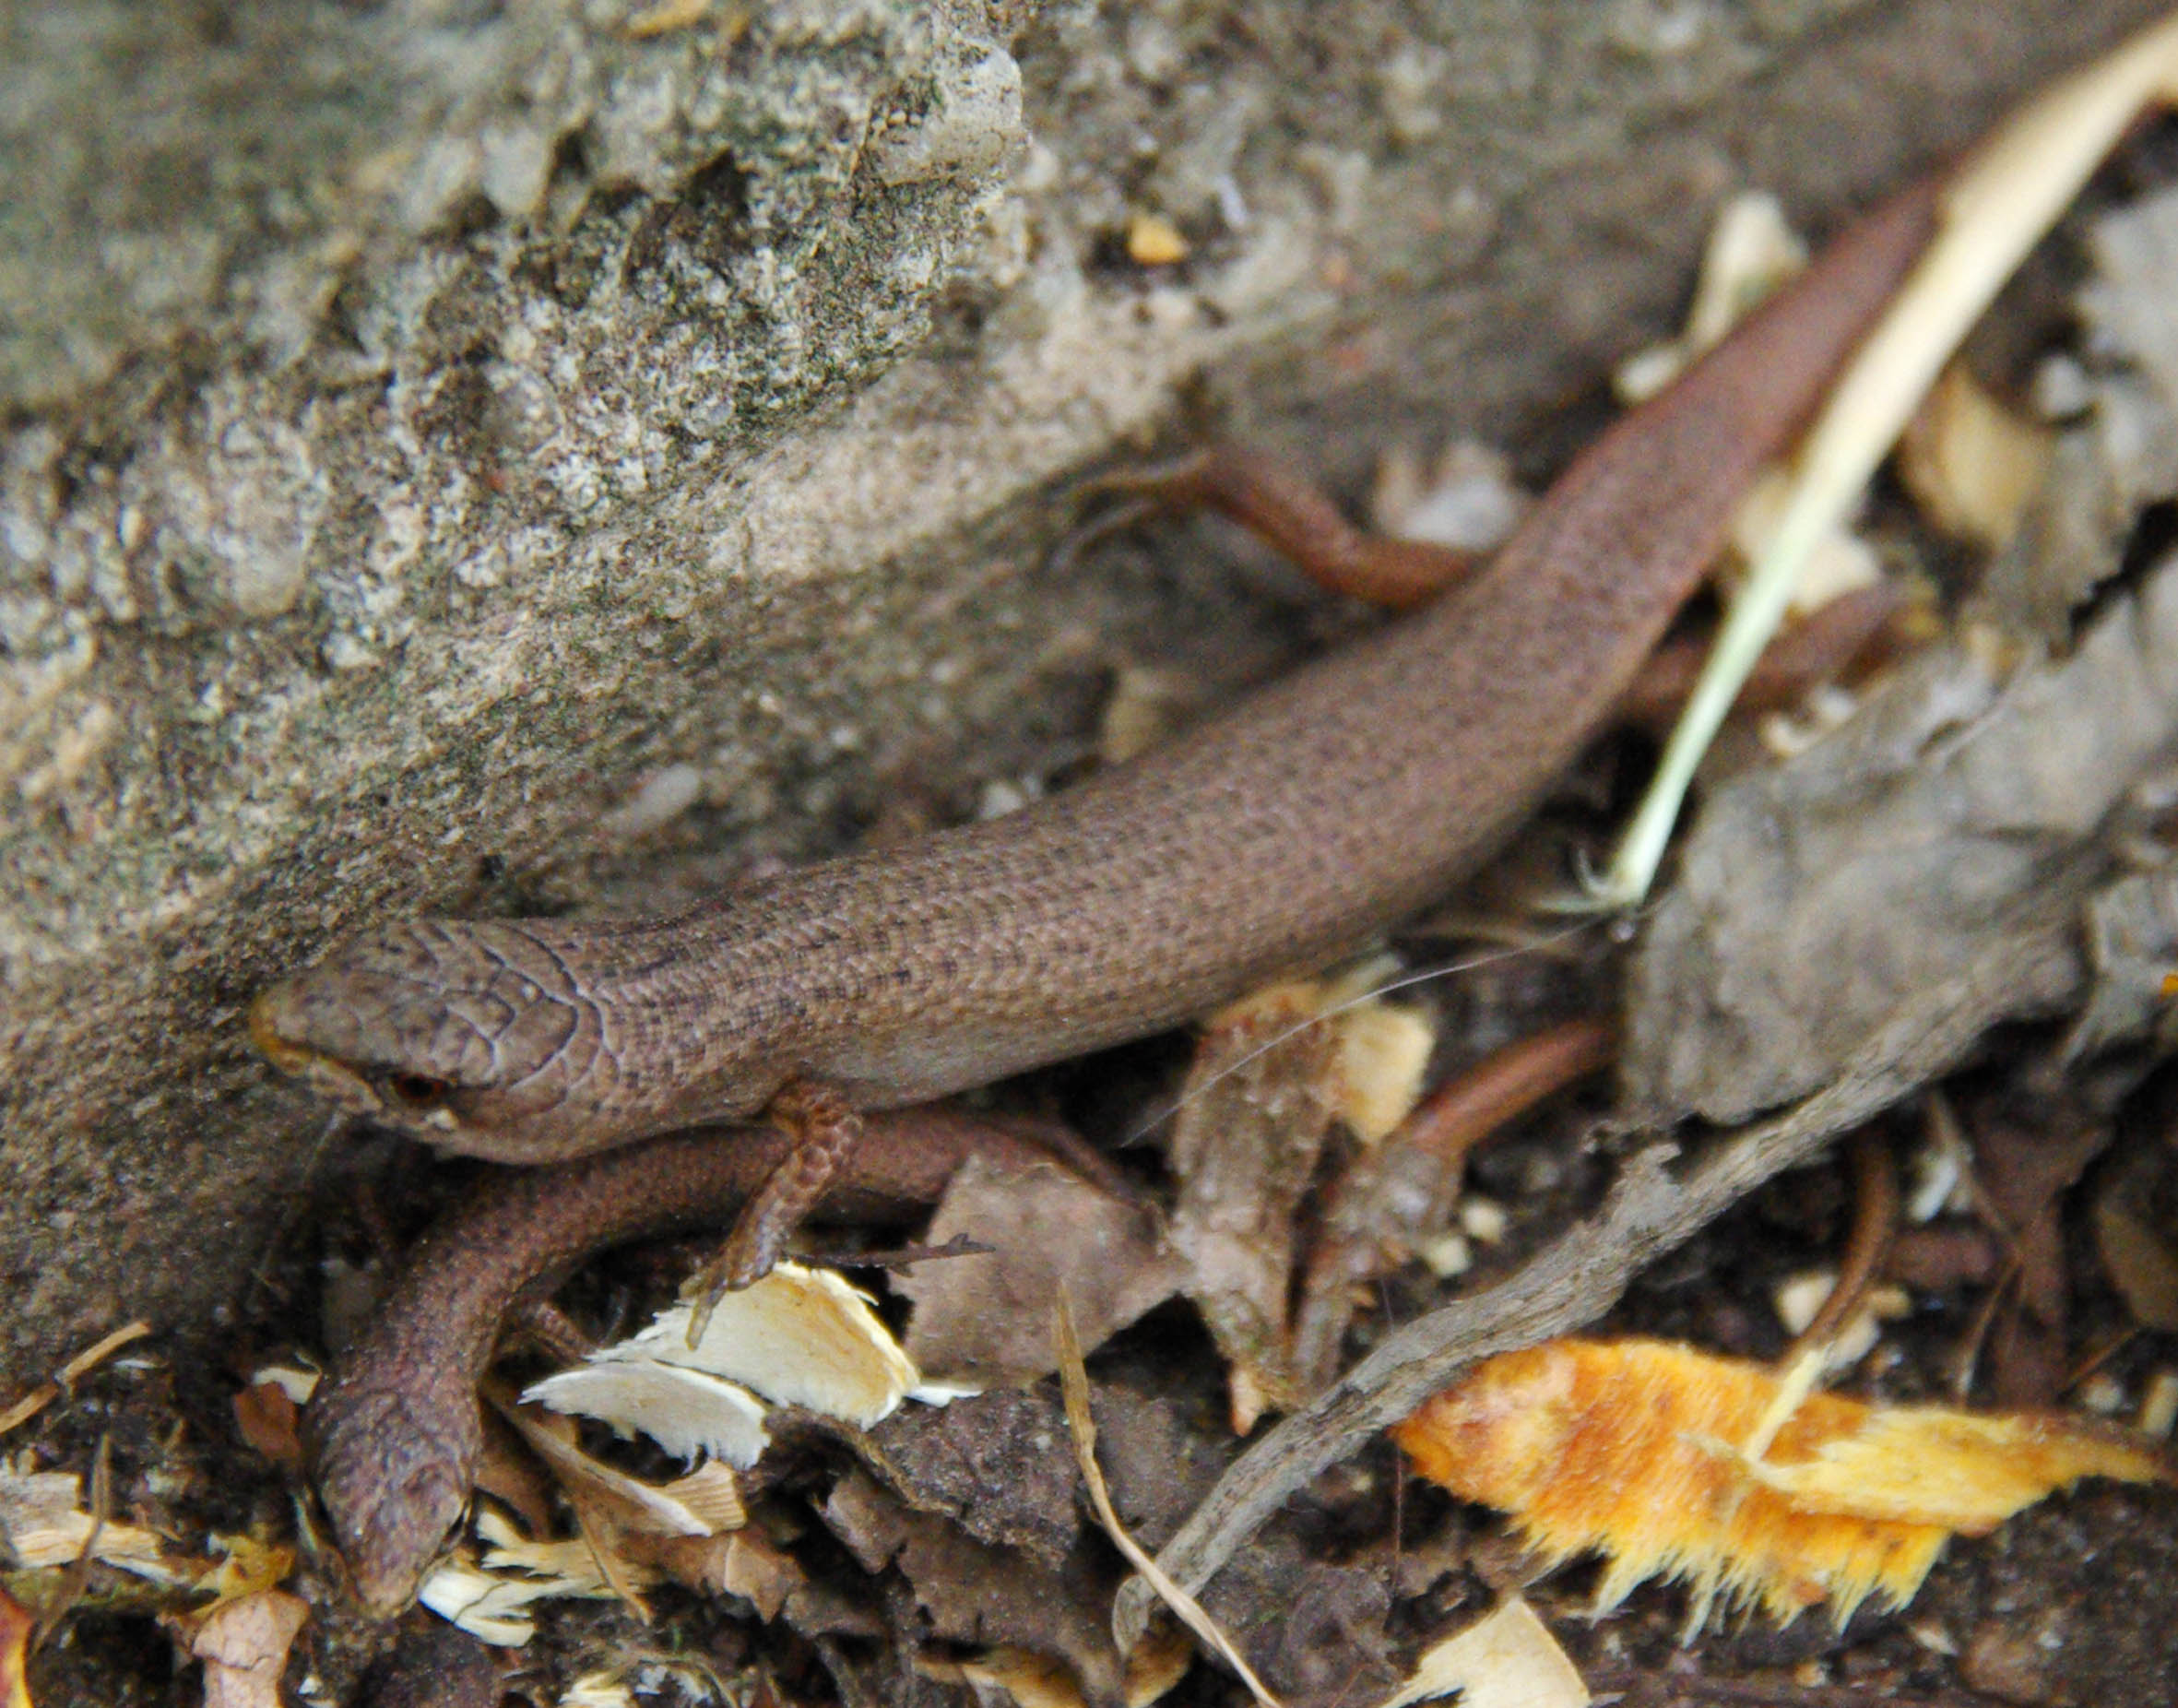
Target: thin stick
1074	1379
1580	1278
1874	1223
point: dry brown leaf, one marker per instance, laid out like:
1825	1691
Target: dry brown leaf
243	1644
270	1423
2028	1154
1033	1680
739	1563
979	1321
1506	1659
1254	1115
1272	1076
1158	1664
2140	1263
1636	1449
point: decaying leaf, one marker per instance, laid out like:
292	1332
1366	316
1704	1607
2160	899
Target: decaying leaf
1082	1423
2131	928
2140	1261
969	1592
243	1644
1393	1201
1273	1074
1028	1678
982	1321
2029	1152
1316	1630
1967	797
987	1462
1997	205
1506	1659
739	1562
1634	1449
1254	1114
1964	801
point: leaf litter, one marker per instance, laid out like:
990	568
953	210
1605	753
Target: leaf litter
1848	926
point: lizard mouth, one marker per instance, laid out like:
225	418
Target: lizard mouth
406	1098
270	1031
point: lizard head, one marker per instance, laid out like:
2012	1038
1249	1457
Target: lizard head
496	1039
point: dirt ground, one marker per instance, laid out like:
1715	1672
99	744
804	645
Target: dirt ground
2075	1601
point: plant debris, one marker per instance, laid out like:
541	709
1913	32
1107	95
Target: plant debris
1639	1450
243	1644
1852	924
1274	1076
1506	1659
983	1321
800	1337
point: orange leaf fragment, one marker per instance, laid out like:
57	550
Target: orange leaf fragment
15	1626
1634	1449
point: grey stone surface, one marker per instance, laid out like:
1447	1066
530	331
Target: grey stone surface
470	455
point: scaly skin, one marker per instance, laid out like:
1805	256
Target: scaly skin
395	1436
1293	827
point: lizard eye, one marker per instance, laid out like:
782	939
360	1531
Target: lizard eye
415	1091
